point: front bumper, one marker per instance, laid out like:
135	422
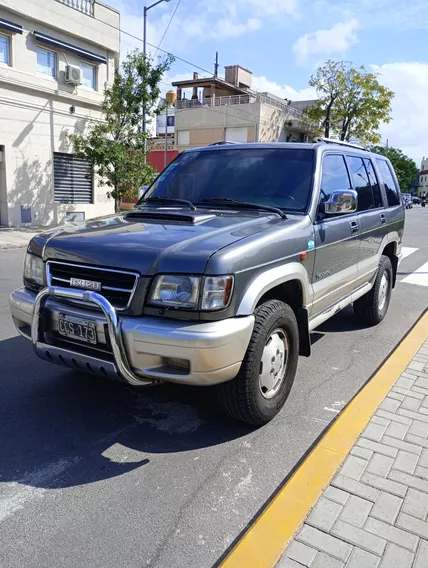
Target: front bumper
133	349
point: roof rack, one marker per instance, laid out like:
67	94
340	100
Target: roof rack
222	143
339	142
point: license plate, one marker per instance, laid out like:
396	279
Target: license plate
77	328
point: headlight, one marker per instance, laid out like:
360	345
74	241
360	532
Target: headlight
34	269
176	291
181	291
216	292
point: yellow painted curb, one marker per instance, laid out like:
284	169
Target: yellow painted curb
263	543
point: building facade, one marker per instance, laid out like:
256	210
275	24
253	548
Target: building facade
56	58
423	178
229	110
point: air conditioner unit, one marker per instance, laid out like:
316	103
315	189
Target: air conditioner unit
73	75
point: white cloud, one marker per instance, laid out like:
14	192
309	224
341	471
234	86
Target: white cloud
337	39
230	28
263	84
409	81
271	7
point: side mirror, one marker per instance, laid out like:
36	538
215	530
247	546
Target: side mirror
340	202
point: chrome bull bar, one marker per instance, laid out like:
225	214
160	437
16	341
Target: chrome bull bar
113	324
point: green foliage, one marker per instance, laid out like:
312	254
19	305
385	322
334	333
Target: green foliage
405	168
116	146
351	102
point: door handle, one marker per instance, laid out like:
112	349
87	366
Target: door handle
354	227
382	218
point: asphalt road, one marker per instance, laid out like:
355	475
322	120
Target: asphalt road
97	475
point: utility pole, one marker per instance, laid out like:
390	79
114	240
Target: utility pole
216	65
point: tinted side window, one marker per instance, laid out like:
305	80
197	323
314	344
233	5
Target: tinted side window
391	189
361	183
334	176
377	194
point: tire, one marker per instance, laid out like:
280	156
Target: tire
371	309
246	397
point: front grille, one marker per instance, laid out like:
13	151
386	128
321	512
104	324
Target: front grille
117	286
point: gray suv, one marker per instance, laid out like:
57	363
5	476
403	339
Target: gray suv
221	271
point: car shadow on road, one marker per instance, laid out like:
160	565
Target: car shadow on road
341	322
59	428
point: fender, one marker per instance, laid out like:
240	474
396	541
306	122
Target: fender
272	278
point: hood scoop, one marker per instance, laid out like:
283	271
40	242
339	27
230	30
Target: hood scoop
169	215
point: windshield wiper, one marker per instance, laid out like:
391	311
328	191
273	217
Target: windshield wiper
244	205
165	199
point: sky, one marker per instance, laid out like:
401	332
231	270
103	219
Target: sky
284	41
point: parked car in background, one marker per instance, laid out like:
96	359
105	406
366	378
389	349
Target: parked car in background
220	273
408	201
416	200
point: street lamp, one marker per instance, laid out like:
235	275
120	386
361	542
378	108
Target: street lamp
146	9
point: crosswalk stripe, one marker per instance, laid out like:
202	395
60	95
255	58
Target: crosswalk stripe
407	251
419	277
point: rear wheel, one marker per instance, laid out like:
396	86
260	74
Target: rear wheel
263	383
373	306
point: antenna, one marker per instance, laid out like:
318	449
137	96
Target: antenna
216	65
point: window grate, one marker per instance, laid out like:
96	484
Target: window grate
73	182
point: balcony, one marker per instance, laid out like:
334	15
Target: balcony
83	6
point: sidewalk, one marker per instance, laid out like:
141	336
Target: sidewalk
360	498
15	238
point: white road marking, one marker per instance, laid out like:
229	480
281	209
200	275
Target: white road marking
331	409
407	251
419	277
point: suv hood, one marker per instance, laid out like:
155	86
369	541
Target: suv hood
149	245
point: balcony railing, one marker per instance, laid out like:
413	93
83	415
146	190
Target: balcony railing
239	100
84	6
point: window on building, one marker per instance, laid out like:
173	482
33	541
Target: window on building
4	49
88	75
46	62
377	194
73	182
392	191
334	176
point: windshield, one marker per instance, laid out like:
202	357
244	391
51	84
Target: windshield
277	177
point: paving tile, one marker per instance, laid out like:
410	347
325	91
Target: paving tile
425	402
389	485
380	421
422	382
336	495
415	365
324	542
356	511
396	430
325	561
389	404
361	452
394	417
423	460
355	487
359	537
406	461
362	559
421	555
408	480
376	447
386	508
288	563
392	534
423	410
380	465
324	514
396	395
374	431
416	504
413	525
406	392
419	390
301	553
401	445
353	467
405	383
396	557
410	403
421	472
412	415
419	429
417	440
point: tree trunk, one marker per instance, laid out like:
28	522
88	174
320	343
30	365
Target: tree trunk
117	204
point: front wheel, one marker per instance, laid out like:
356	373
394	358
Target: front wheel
264	381
372	307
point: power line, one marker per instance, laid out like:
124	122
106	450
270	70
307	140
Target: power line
167	27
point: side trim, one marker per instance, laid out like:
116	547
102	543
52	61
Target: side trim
48	40
335	308
271	278
10	26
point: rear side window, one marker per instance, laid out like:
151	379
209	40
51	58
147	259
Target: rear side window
377	194
334	176
391	189
361	183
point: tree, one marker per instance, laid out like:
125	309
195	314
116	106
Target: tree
115	146
405	168
351	102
